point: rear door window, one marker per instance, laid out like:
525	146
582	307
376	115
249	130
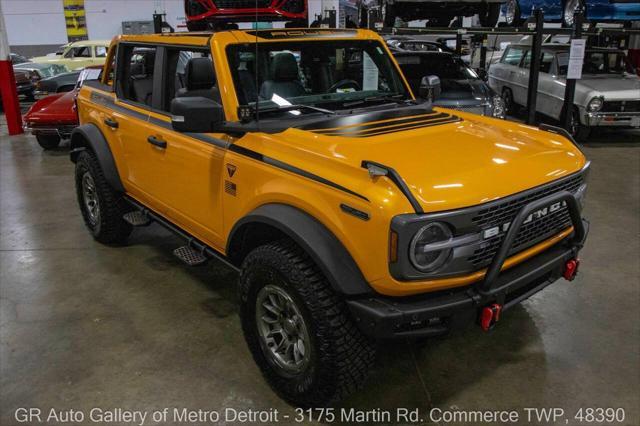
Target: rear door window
135	77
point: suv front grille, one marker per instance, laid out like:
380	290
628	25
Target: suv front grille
530	233
241	4
621	106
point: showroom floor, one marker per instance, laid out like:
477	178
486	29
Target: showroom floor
84	325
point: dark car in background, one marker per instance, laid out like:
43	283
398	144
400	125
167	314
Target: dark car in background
60	83
38	71
17	59
206	14
460	87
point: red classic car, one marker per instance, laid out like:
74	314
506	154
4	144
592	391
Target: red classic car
207	14
52	118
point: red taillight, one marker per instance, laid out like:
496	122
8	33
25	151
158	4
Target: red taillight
571	269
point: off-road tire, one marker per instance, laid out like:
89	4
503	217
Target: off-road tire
111	227
341	356
48	141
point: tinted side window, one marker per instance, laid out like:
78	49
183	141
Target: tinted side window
512	56
189	73
135	76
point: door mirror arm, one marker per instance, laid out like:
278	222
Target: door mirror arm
430	87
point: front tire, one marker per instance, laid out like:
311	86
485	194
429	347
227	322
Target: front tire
101	206
579	131
510	106
298	329
48	141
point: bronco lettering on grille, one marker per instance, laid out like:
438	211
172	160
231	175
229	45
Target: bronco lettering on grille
495	230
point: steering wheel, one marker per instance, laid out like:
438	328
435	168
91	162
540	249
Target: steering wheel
344	84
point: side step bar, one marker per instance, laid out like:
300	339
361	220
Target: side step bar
193	244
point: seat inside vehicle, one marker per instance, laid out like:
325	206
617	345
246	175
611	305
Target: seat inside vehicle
200	80
285	78
142	78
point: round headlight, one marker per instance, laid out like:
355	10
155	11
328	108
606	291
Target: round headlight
498	107
595	104
424	257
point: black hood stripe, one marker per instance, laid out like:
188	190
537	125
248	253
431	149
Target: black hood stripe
340	121
379	123
369	130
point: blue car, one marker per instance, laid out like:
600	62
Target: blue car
517	11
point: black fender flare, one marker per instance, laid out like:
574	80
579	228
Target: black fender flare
313	237
89	136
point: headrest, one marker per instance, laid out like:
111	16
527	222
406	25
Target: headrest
284	67
199	74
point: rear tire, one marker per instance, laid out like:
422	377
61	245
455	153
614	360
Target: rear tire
101	206
334	357
490	16
48	141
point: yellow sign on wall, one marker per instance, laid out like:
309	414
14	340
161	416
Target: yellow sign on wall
74	15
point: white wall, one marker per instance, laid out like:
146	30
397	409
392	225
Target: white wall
34	22
104	17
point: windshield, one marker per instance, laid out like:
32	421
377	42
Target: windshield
328	74
598	63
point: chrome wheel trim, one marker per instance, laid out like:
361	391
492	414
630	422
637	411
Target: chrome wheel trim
570	7
283	334
510	12
90	198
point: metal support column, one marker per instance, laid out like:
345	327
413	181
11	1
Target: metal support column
570	89
534	68
458	43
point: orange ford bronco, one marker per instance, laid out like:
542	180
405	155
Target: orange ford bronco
352	211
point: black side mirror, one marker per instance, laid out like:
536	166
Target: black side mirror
482	73
196	114
430	87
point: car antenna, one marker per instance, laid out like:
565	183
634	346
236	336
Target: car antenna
256	70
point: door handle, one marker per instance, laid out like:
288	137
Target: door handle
157	142
111	123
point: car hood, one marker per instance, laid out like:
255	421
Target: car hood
613	86
59	107
448	159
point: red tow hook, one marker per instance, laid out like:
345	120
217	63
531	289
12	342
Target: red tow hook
489	316
571	269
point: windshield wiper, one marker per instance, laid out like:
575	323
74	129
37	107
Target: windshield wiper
399	98
285	108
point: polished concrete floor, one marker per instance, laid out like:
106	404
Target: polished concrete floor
84	325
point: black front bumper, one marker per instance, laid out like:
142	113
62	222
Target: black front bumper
437	313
